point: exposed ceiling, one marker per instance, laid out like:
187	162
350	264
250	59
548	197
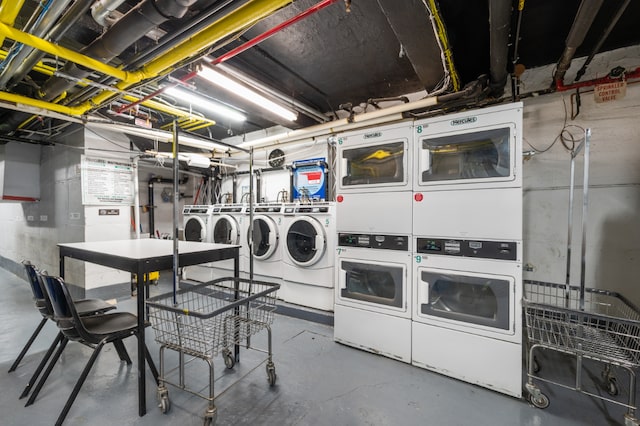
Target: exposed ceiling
328	61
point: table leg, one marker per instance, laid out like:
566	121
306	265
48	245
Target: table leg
142	394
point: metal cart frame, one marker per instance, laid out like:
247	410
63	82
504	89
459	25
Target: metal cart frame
586	323
209	318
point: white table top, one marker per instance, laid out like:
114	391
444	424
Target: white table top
144	248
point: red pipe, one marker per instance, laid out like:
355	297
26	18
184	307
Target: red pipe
230	54
560	87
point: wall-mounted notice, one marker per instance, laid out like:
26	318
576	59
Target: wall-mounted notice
106	181
309	180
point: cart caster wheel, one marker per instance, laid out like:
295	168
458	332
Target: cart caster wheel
210	417
540	402
165	405
612	386
271	374
229	361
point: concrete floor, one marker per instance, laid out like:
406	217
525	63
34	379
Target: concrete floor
319	382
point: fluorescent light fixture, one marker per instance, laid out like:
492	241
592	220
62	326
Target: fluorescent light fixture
184	96
238	89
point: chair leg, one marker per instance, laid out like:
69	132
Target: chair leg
79	383
122	351
47	371
42	364
152	365
28	345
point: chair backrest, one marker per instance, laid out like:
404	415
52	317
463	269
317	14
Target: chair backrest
42	303
64	310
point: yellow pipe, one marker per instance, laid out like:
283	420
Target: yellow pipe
56	50
9	10
241	18
24	100
158	106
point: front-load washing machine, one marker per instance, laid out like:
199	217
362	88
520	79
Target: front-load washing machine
308	258
197	222
226	227
266	245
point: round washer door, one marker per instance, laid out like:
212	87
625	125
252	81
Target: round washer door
195	229
306	241
225	230
265	237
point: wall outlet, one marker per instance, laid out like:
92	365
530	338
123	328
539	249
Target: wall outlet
44	218
30	218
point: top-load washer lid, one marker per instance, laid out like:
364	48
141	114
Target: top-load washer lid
265	237
226	230
194	229
306	241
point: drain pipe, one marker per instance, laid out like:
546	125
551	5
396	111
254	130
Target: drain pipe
584	19
499	27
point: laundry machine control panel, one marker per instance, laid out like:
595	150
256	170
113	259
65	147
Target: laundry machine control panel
501	250
374	241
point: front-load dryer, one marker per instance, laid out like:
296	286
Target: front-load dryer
308	255
266	244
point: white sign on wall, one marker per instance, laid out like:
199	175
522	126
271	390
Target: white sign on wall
106	182
610	91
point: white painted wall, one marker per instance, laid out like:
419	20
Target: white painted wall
613	222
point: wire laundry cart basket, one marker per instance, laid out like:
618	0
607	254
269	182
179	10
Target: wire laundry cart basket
207	319
599	325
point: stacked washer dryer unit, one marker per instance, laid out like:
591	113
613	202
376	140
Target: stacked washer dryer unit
373	254
467	225
266	244
308	259
197	222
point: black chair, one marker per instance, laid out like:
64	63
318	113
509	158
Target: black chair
83	306
94	331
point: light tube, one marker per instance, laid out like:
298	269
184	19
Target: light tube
184	96
238	89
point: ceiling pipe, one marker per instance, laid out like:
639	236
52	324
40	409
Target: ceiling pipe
242	48
603	37
40	27
624	76
101	11
243	17
582	22
73	14
8	12
499	28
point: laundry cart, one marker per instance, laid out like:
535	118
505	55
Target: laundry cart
589	324
208	318
585	323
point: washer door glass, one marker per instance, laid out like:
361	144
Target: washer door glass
470	299
265	237
225	231
306	241
193	229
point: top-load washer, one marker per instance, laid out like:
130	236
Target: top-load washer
266	246
308	260
374	184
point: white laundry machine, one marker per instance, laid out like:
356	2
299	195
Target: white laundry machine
374	184
467	311
309	240
226	227
197	222
468	174
266	244
373	293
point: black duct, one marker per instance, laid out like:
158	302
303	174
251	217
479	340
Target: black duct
499	28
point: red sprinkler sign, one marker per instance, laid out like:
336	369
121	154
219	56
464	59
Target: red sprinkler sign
610	91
